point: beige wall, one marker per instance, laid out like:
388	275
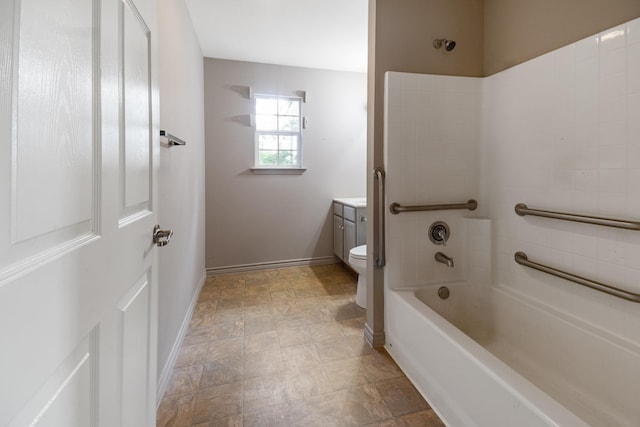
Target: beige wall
518	30
401	33
405	30
275	219
180	178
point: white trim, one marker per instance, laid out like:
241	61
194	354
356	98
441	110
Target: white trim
374	339
272	264
278	171
278	133
163	380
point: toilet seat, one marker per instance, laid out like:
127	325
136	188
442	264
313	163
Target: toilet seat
359	252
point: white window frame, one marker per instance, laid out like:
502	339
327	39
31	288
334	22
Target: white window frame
297	168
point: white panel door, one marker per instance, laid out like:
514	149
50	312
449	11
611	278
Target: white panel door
78	148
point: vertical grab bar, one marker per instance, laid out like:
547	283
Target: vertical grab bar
378	174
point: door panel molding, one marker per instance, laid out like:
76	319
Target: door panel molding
134	320
26	264
69	397
136	123
55	106
50	85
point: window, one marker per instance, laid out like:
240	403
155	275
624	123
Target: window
278	123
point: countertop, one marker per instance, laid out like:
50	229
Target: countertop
355	202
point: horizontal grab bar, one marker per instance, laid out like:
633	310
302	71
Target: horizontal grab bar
522	210
522	259
396	208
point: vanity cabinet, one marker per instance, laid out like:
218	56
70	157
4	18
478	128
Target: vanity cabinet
349	226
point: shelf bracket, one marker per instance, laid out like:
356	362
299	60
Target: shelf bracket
172	140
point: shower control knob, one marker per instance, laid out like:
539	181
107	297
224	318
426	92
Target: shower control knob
439	233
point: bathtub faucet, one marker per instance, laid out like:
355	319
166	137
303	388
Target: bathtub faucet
440	257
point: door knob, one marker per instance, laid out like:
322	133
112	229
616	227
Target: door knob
161	237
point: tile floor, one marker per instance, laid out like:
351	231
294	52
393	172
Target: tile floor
285	348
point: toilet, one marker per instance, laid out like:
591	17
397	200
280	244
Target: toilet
358	261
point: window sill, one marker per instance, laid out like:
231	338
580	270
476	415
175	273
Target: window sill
278	171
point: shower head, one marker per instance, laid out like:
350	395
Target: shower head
449	45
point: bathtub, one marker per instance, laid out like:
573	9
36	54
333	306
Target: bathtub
487	356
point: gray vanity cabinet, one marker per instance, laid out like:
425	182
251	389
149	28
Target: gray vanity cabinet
338	235
349	229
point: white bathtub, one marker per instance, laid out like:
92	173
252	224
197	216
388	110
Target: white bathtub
489	357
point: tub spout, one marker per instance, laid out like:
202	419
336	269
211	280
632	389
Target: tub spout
440	257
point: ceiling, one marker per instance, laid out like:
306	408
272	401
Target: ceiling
326	34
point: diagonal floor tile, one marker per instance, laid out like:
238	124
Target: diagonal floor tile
401	396
218	403
176	410
284	348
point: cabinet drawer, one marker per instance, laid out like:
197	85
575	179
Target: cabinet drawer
337	209
349	213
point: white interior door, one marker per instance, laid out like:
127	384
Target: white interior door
78	142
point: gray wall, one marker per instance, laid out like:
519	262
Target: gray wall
180	176
275	219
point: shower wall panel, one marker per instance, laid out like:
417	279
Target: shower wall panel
432	139
562	132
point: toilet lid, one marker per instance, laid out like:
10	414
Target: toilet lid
359	252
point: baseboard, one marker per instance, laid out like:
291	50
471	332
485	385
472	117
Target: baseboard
274	264
165	376
373	339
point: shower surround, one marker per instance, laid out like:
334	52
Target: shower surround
559	132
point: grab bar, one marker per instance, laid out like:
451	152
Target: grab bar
522	210
522	259
378	174
396	208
